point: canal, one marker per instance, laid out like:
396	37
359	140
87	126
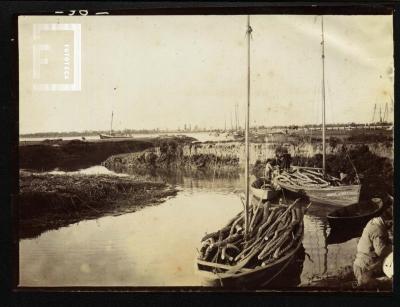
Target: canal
157	246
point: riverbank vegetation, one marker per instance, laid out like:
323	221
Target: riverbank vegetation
49	201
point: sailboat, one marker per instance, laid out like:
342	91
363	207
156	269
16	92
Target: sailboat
336	195
242	275
112	135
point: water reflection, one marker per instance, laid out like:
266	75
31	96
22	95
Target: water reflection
189	179
290	277
152	247
338	236
326	258
156	246
316	246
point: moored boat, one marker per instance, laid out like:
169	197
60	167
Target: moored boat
258	258
247	278
262	189
355	215
342	195
227	259
319	186
258	244
110	136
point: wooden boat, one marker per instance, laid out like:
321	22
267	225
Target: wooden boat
238	135
342	195
248	278
251	270
111	135
356	215
338	234
262	189
336	195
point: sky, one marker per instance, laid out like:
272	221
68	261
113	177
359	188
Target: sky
168	71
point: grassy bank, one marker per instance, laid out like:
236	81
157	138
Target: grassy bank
49	201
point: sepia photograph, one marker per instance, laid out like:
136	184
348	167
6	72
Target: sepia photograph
209	152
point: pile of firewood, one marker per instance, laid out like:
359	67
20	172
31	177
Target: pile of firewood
272	231
306	178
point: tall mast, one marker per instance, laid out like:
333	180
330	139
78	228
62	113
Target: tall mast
385	115
248	32
236	117
112	115
112	112
373	115
323	98
392	105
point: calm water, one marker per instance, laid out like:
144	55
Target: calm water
156	246
200	136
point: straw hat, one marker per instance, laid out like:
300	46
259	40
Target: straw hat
388	265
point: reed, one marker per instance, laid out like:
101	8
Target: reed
47	201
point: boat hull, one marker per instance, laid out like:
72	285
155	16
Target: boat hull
265	193
355	216
107	136
354	223
334	195
270	276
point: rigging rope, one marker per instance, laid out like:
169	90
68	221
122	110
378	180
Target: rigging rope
352	164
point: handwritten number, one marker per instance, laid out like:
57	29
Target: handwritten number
80	12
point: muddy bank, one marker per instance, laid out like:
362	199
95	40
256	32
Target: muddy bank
375	171
48	201
263	150
170	157
77	154
230	154
345	280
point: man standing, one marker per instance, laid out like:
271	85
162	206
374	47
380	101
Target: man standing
268	169
287	160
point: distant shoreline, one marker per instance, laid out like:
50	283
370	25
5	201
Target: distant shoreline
344	126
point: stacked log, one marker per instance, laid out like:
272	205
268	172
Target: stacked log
307	178
273	231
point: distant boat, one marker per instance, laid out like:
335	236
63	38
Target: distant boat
237	135
108	136
111	135
356	215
